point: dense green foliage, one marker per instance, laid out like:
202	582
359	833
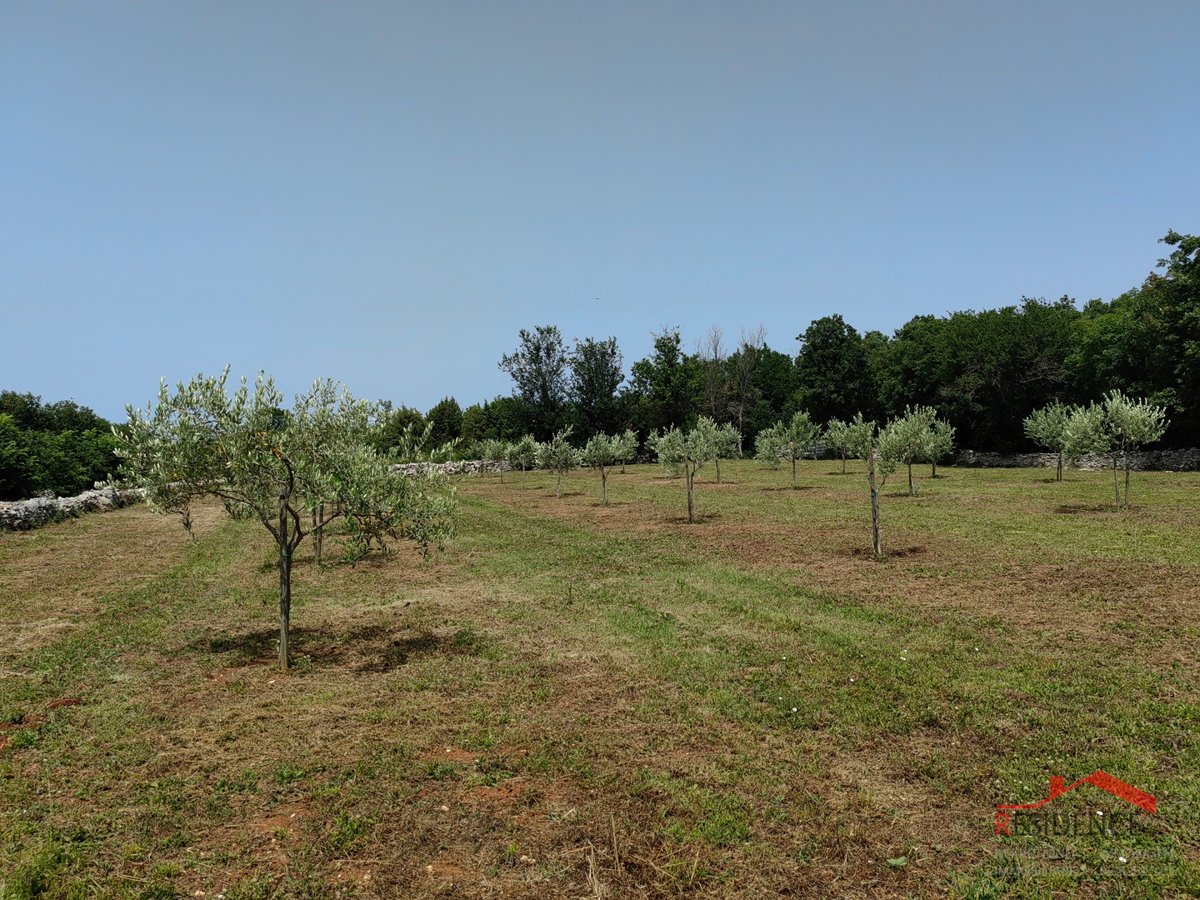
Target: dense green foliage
982	374
60	447
447	421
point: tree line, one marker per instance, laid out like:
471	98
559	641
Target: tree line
983	372
62	447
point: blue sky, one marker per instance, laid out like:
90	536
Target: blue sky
385	193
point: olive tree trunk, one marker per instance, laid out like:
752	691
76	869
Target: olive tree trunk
285	579
1127	480
318	532
876	530
690	473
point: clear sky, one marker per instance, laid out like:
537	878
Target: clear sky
385	193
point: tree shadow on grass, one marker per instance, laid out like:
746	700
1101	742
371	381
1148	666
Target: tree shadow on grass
373	648
1086	509
888	552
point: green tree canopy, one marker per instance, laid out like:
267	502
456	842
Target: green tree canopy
832	374
539	368
446	420
62	448
666	383
596	374
272	465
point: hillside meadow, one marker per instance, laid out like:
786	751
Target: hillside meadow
575	700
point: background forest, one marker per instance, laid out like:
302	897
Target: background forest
984	372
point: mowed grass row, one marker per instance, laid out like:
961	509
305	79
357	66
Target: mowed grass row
577	700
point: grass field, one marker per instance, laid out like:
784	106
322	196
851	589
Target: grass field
584	701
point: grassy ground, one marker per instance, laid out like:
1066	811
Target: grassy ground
586	701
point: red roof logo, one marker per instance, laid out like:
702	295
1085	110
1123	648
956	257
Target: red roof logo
1102	780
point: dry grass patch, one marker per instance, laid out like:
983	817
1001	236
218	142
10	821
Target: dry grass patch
52	578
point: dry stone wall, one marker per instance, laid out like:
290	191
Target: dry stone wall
1145	460
457	467
24	514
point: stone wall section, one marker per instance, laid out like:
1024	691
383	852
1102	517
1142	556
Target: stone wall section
457	467
25	514
1145	460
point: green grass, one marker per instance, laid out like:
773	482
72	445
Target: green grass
731	707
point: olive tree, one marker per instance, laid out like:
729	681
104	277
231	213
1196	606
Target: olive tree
913	438
601	453
522	455
787	440
686	453
273	465
1047	427
1118	424
627	445
844	437
727	445
837	438
559	456
881	450
722	439
941	442
495	452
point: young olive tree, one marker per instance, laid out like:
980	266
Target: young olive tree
1118	424
911	438
272	465
723	439
837	439
627	444
727	443
767	446
601	453
844	437
559	456
685	452
1047	427
787	440
941	442
522	455
881	452
493	451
